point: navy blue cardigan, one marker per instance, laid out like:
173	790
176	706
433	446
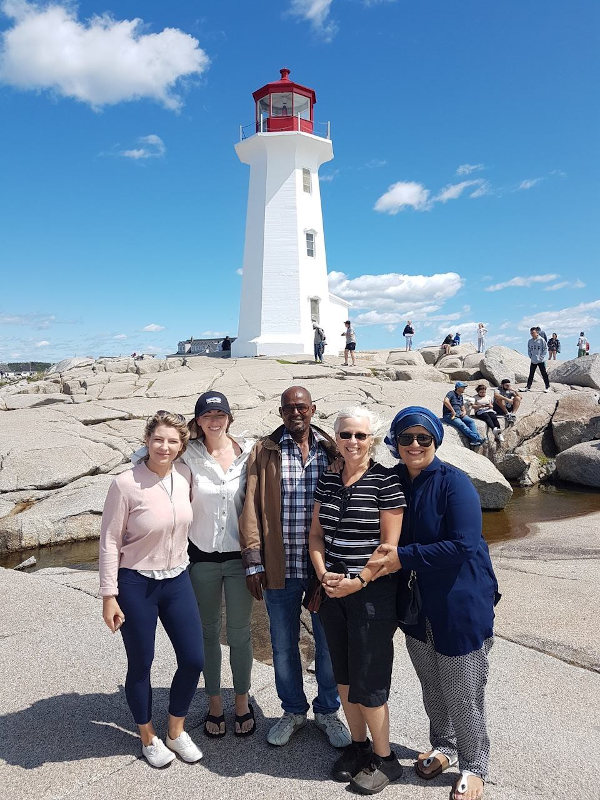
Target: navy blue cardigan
442	541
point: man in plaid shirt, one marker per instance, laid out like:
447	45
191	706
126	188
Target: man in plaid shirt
283	470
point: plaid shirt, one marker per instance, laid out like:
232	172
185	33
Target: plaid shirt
298	484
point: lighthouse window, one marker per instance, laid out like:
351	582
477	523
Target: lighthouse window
262	107
306	181
281	104
310	244
301	106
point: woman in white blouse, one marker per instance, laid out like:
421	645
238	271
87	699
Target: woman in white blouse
218	464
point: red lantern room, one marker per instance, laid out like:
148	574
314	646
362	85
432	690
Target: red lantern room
284	106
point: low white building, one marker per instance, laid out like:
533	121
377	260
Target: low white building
284	282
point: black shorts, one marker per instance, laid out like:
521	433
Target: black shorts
360	629
350	345
499	410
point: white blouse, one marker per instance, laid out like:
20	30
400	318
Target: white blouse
217	497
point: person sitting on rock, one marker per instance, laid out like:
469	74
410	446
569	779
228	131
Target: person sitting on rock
506	401
456	340
453	413
447	344
483	408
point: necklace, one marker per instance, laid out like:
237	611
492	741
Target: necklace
164	485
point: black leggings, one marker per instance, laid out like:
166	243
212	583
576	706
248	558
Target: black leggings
543	373
489	417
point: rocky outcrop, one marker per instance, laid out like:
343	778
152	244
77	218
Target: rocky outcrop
580	464
576	419
406	357
584	371
426	373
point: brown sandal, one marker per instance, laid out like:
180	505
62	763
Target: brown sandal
426	762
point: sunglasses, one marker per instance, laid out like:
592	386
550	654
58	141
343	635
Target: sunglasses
360	436
301	408
406	439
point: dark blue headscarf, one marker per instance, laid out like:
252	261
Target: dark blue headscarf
414	415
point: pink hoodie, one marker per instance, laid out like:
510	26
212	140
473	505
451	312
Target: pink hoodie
142	527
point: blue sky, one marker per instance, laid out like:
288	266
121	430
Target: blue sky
464	186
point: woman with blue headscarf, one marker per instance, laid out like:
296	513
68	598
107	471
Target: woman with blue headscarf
442	542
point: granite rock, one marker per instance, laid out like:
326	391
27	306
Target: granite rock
584	371
580	464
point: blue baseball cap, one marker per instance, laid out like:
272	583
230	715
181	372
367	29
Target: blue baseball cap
460	384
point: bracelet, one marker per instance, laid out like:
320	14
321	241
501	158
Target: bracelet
362	580
325	573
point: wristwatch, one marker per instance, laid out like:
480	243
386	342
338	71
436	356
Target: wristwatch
362	580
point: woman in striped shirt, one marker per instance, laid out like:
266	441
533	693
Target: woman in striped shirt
354	512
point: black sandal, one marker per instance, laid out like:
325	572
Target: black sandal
239	720
215	721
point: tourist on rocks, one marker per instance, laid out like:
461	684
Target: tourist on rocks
226	345
481	334
350	343
582	345
553	347
319	342
456	340
542	333
538	353
447	344
408	334
283	470
218	463
483	406
355	510
454	413
507	401
144	577
442	543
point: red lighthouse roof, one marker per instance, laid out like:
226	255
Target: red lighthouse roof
284	105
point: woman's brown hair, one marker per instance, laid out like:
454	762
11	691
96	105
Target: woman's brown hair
171	420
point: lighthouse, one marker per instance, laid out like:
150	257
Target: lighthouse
284	281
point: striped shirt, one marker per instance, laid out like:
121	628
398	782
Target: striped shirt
358	534
298	482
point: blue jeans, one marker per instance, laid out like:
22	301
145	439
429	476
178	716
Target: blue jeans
284	606
319	350
466	425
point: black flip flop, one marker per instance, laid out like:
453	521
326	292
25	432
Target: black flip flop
215	721
244	718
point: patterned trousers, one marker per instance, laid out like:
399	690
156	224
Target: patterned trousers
453	696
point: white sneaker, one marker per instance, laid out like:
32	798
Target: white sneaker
547	390
335	730
185	748
525	389
285	728
156	754
500	438
496	432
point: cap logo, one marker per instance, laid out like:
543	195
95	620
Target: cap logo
213	400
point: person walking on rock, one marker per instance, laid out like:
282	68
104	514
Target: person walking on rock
582	345
553	347
538	353
454	413
350	343
481	334
408	334
144	578
283	470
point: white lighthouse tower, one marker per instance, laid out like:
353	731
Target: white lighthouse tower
284	283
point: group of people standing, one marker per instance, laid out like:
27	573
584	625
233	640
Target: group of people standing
302	516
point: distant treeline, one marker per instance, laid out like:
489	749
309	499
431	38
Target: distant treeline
25	366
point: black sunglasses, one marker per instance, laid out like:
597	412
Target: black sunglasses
301	408
406	439
360	436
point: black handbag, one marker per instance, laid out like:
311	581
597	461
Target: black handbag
408	599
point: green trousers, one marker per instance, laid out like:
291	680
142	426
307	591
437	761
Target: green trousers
209	581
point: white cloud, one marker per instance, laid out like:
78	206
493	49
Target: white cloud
34	320
43	343
454	190
401	195
239	271
528	183
120	336
467	169
153	327
392	298
390	328
316	12
484	188
566	321
375	163
151	146
101	61
522	281
578	284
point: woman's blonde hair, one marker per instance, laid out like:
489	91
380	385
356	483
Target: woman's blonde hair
171	420
361	412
